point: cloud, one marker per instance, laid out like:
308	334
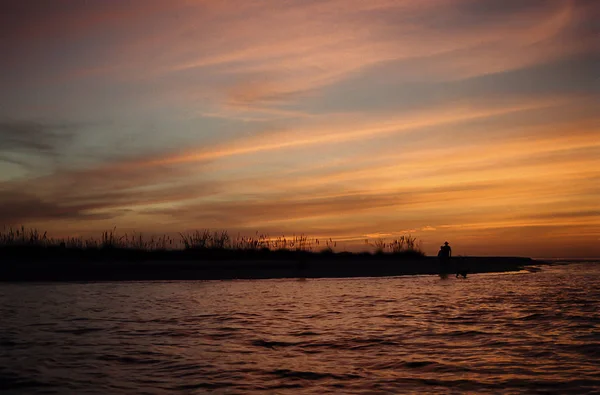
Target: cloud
34	137
332	134
59	19
272	53
98	193
21	207
279	70
322	205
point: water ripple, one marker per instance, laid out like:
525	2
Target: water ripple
517	333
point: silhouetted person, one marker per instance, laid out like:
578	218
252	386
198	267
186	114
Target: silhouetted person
441	252
447	250
444	256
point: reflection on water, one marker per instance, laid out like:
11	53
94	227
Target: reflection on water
518	333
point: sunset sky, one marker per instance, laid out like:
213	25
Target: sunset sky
472	121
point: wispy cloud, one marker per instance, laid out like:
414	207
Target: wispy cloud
34	137
102	192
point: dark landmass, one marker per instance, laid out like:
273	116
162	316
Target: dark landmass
55	264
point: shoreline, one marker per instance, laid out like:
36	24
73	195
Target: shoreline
320	266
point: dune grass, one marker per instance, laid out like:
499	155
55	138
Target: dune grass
402	244
26	242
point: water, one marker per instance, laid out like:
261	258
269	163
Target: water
491	333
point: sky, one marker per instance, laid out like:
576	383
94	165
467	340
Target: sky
471	121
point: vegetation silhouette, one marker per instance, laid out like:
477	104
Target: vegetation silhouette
30	255
204	239
28	242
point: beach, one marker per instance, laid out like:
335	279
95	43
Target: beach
302	266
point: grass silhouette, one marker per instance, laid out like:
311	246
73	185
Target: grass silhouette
27	243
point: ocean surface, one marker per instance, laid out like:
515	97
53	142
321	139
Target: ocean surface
490	333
